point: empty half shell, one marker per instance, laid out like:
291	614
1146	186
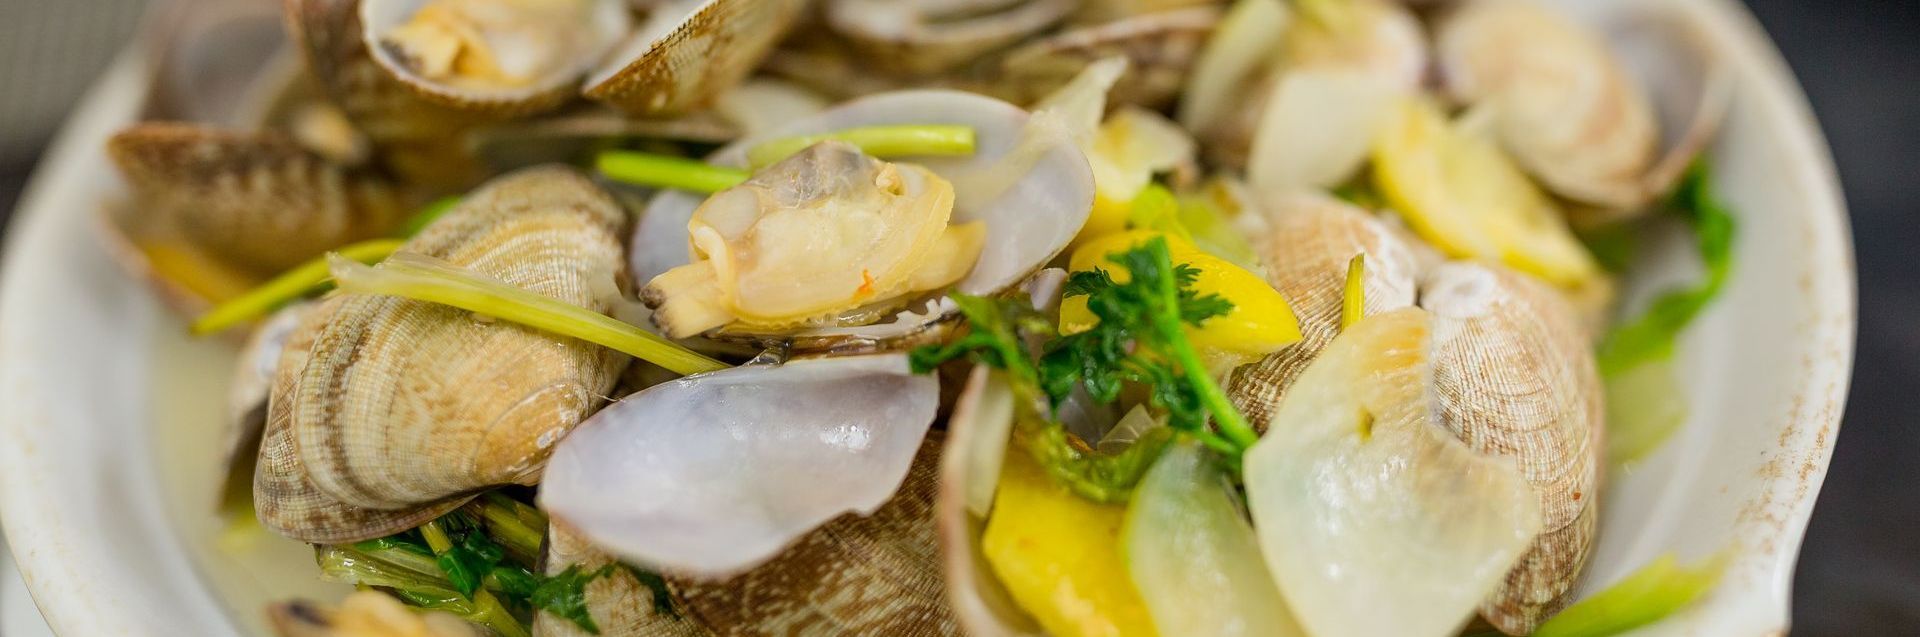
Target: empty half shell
255	202
1027	182
688	52
511	57
930	36
1514	377
393	384
1307	250
881	573
1159	47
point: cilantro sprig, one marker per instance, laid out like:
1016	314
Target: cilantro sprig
1140	340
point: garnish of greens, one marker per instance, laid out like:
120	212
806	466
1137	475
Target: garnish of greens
1651	336
680	173
426	279
478	563
296	283
1140	340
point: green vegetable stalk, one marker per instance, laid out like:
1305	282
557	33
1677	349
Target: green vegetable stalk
460	566
295	283
663	171
427	279
900	140
1650	594
1651	336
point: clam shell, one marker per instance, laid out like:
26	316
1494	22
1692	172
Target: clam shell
685	55
1306	252
858	575
284	497
980	602
931	36
1160	49
609	21
1570	108
405	402
621	604
1514	377
247	398
1028	222
256	201
421	142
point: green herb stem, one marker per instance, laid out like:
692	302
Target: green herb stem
508	523
424	279
1650	594
426	216
663	171
294	284
487	609
1353	304
900	140
1173	332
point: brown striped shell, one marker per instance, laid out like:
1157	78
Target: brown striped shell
253	381
1159	47
284	498
418	141
1514	377
257	202
1306	251
933	36
405	402
685	56
858	575
621	603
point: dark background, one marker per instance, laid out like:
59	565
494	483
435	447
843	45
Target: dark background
1859	61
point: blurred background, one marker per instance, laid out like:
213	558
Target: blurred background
1860	63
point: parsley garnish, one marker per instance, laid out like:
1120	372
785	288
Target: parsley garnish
1140	340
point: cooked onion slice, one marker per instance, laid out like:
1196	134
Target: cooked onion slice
713	474
1373	519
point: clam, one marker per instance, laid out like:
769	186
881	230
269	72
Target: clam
931	36
390	385
418	140
977	435
505	56
285	499
623	603
824	233
252	203
1514	377
711	475
880	573
688	52
1028	185
1571	111
1160	48
1307	249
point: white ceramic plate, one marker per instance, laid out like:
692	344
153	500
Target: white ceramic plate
108	413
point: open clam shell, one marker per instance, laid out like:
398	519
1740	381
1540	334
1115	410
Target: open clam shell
257	203
931	36
537	51
1514	377
690	51
977	434
418	140
1584	109
1033	190
253	380
1307	250
391	384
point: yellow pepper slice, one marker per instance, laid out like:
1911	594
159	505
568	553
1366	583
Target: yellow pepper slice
1261	321
1059	555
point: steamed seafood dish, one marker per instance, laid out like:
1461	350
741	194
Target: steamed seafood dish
905	317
